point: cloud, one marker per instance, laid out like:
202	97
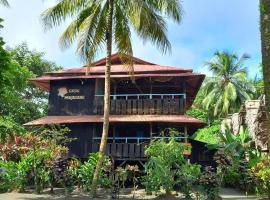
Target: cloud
207	26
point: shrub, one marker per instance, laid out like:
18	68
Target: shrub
209	183
86	172
13	175
164	158
187	175
261	175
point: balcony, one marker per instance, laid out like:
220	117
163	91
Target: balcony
131	148
142	104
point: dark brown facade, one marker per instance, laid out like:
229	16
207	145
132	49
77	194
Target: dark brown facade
143	105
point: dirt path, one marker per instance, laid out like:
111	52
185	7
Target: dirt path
103	194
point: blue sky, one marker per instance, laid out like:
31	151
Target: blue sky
207	26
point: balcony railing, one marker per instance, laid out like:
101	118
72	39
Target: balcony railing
142	104
131	147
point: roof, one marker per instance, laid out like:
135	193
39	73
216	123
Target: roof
119	71
184	119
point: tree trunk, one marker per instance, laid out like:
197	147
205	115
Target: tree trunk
265	42
105	128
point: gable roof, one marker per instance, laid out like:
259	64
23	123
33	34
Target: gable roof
116	61
119	71
139	66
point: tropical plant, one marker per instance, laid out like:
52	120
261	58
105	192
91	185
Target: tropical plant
87	169
261	174
209	183
265	42
187	176
163	157
61	174
229	86
209	135
101	22
236	146
13	175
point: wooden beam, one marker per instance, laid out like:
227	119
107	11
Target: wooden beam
151	129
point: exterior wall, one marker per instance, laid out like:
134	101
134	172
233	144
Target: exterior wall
71	97
201	155
82	146
253	116
120	150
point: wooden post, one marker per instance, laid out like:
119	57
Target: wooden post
151	130
186	134
114	133
115	87
151	87
185	97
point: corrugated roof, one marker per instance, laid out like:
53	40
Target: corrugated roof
184	119
123	69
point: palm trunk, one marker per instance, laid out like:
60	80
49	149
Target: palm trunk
105	128
265	42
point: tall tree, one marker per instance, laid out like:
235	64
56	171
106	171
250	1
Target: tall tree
100	23
229	86
33	99
265	43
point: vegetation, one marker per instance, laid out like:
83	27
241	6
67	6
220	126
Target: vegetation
229	86
21	102
163	158
261	174
38	157
209	183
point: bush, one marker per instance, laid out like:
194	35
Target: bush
87	169
187	175
261	175
209	183
164	159
13	175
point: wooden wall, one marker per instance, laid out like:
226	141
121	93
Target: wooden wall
71	97
201	155
82	146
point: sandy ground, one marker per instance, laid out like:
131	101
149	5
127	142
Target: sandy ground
102	194
225	193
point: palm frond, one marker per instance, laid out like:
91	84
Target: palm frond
92	33
71	33
57	14
4	3
148	24
122	39
170	8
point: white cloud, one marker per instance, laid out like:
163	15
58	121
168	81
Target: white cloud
207	26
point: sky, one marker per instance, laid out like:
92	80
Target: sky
207	26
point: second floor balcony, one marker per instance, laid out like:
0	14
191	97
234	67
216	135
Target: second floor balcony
142	104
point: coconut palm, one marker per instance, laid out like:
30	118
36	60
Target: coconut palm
99	23
265	41
229	86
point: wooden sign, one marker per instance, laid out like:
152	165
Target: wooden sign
70	94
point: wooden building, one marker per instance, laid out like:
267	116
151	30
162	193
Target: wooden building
154	98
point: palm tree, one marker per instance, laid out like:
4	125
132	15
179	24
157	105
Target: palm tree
265	43
98	23
229	86
4	3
